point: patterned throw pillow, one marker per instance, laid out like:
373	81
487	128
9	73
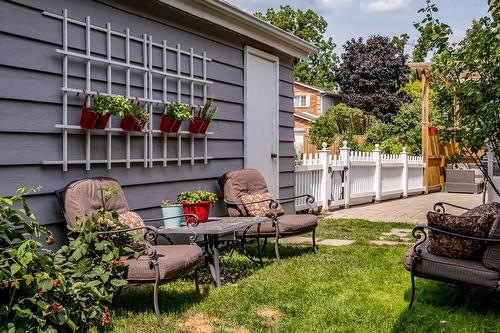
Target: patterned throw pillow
455	247
261	209
132	220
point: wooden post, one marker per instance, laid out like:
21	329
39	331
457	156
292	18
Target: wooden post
425	124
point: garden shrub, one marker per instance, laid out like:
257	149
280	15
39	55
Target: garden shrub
66	291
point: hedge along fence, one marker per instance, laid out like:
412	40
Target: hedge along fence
353	177
309	148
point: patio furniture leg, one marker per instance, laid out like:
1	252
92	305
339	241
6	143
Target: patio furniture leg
155	291
244	250
315	248
197	281
213	259
116	295
259	250
415	259
276	244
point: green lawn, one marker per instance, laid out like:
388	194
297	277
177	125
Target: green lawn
355	288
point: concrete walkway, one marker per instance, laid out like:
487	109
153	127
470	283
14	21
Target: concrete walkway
410	210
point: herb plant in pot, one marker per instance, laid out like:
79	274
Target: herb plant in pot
171	209
197	203
173	116
107	106
207	114
89	116
140	115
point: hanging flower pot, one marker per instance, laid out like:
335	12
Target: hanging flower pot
167	124
433	130
128	123
139	125
88	117
204	127
195	125
177	126
102	121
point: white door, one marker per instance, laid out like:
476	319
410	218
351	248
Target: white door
261	115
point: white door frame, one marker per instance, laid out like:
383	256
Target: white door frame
258	53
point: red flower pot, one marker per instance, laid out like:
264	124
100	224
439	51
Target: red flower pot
102	121
433	130
195	125
204	127
200	209
139	126
128	123
177	126
88	118
166	124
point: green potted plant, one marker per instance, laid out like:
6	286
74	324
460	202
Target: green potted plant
140	115
207	114
88	117
197	203
171	209
173	116
107	106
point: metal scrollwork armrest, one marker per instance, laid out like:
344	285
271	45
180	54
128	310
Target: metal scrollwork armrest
273	205
191	221
310	201
150	237
439	207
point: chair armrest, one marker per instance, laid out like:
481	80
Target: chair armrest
191	221
420	235
273	205
439	207
310	201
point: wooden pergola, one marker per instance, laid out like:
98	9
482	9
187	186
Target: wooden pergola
434	164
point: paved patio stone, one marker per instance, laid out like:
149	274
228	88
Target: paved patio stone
335	242
296	240
410	210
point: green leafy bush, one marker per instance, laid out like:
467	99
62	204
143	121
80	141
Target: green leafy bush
391	146
378	132
178	111
339	119
198	196
66	291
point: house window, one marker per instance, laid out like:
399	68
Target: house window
301	101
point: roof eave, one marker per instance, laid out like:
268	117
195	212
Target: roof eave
235	19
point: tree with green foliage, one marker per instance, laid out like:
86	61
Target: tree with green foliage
401	41
434	34
311	27
370	76
471	73
339	120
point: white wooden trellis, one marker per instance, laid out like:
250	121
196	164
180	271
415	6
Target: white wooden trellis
149	72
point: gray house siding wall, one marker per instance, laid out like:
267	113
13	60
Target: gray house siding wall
30	103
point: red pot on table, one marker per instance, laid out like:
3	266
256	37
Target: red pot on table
102	121
128	123
204	127
195	125
200	209
88	118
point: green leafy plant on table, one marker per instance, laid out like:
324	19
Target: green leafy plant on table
197	203
65	291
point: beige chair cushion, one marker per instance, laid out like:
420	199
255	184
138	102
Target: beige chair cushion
455	270
455	247
241	182
174	261
261	209
83	197
288	224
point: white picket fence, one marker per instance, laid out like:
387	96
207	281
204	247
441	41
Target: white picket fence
356	177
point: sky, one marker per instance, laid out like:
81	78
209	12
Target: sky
361	18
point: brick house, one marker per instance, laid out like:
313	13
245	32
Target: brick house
309	103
